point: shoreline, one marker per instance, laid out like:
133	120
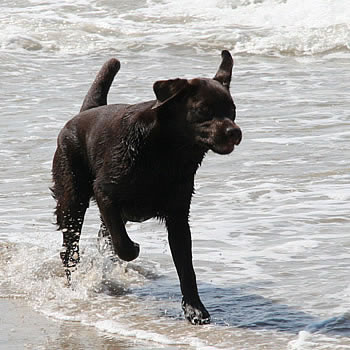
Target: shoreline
23	328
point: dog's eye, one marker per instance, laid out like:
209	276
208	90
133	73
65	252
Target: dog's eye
202	110
200	114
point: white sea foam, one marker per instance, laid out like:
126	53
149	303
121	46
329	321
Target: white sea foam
113	327
292	27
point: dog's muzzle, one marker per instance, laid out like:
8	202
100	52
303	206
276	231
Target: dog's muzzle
234	133
225	141
221	136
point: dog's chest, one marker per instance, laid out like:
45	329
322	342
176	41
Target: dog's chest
156	189
163	172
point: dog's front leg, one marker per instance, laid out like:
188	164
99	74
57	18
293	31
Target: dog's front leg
123	246
179	236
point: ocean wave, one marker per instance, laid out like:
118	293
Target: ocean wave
267	27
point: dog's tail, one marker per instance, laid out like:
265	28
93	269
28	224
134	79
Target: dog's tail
97	94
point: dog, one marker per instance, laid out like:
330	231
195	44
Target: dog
138	161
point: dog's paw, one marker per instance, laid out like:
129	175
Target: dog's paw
195	312
130	253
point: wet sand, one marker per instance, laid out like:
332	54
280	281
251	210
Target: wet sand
22	328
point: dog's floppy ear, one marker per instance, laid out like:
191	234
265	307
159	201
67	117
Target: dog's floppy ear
224	73
167	90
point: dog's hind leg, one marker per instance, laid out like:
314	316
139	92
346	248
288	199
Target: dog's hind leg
72	191
97	94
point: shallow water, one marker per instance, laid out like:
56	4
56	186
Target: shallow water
270	221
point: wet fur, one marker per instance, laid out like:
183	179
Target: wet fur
139	161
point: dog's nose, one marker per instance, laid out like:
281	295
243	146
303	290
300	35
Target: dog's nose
235	133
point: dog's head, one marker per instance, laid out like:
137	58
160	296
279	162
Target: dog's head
206	107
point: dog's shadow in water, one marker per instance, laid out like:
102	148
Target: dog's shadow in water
235	307
231	306
238	307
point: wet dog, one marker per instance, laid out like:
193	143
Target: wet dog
139	161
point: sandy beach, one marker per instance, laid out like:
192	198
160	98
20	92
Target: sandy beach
22	328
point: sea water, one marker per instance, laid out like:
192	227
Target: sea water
270	222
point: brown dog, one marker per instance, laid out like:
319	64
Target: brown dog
139	161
